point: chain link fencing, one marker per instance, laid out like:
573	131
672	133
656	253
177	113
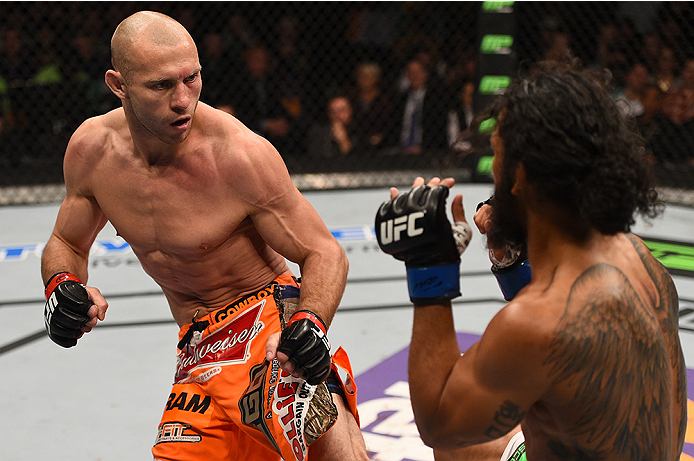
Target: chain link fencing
330	84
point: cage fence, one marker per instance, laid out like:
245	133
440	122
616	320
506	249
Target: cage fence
330	84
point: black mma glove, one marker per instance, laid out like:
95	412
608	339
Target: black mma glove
414	228
67	304
305	342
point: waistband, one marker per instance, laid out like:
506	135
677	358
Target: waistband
282	287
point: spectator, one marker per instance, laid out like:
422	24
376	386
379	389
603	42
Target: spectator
462	111
416	43
257	100
559	48
652	124
629	99
611	54
687	80
671	21
666	70
49	66
435	69
89	64
463	65
14	68
372	108
292	65
421	113
14	61
238	36
336	138
678	107
215	64
650	50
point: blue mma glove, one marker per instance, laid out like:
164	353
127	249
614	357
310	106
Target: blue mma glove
513	273
414	228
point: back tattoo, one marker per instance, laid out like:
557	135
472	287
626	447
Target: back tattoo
617	354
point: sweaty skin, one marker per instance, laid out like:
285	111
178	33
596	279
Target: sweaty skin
207	206
200	221
586	358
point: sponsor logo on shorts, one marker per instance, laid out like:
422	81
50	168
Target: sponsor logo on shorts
228	345
202	377
251	403
176	432
195	402
244	302
292	402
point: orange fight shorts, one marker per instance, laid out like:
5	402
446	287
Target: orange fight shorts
229	403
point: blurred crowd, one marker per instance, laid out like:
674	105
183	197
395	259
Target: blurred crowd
335	84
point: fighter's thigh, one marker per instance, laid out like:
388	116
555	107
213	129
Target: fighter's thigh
342	441
192	428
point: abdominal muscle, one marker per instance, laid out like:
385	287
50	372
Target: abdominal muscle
208	279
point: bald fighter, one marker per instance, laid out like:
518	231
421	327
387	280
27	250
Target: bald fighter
585	361
211	213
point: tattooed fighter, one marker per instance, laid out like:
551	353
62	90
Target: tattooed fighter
584	363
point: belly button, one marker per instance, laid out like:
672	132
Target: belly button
204	246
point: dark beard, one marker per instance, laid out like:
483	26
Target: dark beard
507	224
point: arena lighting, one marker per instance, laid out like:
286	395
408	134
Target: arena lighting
496	56
497	63
497	7
496	44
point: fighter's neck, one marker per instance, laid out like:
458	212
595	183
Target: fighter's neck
155	152
549	242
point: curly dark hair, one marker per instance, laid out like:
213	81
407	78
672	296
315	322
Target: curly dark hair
579	152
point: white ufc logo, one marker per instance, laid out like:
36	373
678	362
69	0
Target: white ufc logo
50	308
392	228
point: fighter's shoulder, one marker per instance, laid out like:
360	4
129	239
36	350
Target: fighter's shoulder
238	147
95	134
644	252
531	314
516	341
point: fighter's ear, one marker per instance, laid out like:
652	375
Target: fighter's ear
116	83
520	182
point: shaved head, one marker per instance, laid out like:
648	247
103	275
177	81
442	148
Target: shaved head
146	28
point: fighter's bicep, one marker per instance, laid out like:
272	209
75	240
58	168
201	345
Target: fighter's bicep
79	221
497	380
281	214
291	226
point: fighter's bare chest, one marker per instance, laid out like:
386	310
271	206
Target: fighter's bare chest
178	213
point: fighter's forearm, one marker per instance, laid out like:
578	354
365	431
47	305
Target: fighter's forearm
323	280
434	352
58	256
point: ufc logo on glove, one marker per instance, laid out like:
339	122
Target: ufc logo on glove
392	228
413	228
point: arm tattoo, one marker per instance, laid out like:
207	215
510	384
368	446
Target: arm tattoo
506	418
609	350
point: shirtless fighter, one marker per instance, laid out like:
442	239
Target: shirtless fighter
210	211
584	362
